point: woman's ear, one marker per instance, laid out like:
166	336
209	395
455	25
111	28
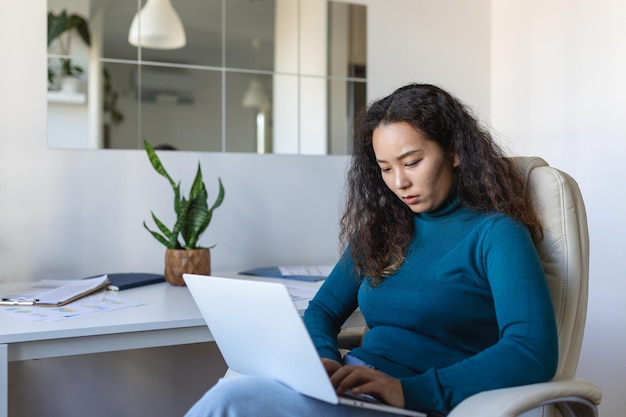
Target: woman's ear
455	159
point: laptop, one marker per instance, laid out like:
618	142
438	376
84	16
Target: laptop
259	332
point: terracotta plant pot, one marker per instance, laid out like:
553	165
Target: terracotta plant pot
180	261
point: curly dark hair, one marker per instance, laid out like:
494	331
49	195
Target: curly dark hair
376	225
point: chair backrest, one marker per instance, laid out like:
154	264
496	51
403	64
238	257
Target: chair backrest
564	252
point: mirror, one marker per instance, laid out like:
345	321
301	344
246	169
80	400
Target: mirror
263	76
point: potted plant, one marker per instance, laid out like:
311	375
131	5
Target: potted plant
61	26
193	216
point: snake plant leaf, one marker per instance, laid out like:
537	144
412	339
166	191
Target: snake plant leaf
158	166
196	211
220	196
193	215
181	220
209	214
202	215
177	200
157	236
197	215
156	162
197	186
162	227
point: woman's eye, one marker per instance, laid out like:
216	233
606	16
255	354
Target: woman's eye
413	163
385	169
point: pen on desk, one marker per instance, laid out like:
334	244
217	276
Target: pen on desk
21	301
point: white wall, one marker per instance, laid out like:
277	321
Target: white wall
559	91
444	42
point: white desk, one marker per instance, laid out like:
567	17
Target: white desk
169	317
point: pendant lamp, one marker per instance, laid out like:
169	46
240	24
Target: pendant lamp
157	26
255	96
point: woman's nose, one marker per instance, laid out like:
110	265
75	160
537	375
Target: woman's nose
401	180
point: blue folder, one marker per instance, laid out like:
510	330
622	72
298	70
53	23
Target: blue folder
126	280
274	272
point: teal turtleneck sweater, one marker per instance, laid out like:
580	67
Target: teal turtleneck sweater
468	311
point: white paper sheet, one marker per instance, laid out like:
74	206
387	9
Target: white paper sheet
306	271
99	302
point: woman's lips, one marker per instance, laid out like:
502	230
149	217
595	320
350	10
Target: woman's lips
411	199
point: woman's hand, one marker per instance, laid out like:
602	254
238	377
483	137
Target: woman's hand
361	379
331	366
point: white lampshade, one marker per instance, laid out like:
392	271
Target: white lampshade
157	26
255	95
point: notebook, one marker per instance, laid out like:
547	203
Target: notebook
124	281
259	332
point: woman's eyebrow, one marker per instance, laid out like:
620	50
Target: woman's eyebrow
403	155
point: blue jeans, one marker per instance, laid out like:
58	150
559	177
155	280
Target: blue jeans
250	396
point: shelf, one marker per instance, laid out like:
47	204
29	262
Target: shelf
68	98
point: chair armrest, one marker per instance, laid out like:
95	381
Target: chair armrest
576	397
349	339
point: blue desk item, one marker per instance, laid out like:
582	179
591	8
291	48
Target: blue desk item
274	272
126	280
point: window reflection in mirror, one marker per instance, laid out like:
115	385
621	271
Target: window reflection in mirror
271	76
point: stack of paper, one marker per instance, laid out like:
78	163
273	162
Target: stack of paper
54	292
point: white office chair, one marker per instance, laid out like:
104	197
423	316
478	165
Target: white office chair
564	253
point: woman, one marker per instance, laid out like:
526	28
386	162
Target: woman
439	257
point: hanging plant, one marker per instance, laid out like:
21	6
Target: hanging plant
61	27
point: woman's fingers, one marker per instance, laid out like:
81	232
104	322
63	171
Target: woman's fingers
331	366
360	379
349	376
